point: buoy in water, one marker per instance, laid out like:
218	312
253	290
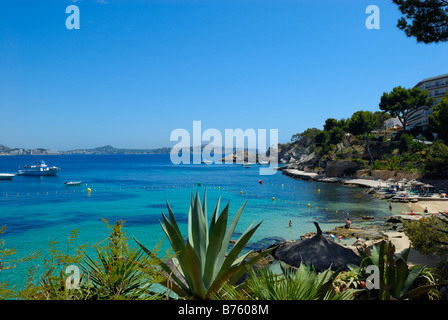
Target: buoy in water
309	205
260	181
89	190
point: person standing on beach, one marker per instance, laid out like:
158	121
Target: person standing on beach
390	206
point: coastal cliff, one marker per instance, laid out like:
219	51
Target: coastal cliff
355	158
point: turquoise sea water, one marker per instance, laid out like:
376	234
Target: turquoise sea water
134	188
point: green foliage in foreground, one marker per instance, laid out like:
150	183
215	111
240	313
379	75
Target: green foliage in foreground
426	20
303	283
429	235
203	261
396	278
204	267
118	272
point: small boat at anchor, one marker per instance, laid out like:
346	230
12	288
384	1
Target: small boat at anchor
247	165
7	176
72	183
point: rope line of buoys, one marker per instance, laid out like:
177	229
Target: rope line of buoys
180	186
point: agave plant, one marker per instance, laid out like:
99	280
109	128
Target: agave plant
203	261
396	278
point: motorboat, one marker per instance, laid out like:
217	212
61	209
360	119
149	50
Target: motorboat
72	183
247	164
262	162
7	176
207	161
39	169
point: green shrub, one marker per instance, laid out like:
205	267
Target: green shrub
428	235
406	142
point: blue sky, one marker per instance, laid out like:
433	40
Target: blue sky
136	70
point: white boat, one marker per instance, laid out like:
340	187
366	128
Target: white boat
7	176
247	165
39	169
72	183
262	162
207	161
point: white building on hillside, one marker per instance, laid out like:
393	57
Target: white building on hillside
392	123
437	87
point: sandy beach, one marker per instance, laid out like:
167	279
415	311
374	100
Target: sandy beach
401	243
434	206
398	239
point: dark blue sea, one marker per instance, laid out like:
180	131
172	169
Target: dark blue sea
134	188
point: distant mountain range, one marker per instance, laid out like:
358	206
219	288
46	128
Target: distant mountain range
6	151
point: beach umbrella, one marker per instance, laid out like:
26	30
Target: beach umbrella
428	185
379	180
416	183
390	181
318	251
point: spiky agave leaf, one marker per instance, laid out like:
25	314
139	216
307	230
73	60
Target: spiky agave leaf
178	286
214	216
203	259
227	238
216	237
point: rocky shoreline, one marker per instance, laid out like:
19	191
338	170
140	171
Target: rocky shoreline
371	184
389	229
